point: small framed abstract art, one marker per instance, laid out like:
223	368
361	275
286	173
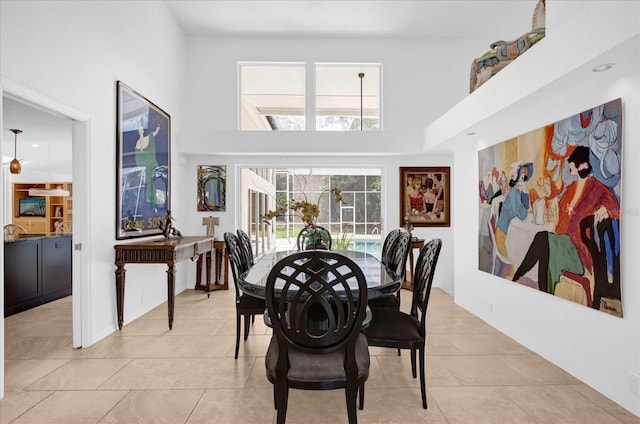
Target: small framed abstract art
212	187
424	196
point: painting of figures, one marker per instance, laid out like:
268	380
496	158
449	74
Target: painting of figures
549	208
424	196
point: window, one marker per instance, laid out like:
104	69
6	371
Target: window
358	215
343	97
272	96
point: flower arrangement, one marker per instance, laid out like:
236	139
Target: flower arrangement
308	212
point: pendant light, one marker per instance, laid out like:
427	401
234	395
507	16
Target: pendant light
361	76
14	166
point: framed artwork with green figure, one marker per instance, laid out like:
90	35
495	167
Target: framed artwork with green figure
143	195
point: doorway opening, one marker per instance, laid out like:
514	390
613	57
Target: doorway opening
80	137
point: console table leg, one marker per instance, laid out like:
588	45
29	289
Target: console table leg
219	255
120	271
208	270
171	293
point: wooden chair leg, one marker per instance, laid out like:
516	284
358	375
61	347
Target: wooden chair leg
351	393
275	398
247	322
423	386
237	334
282	394
413	362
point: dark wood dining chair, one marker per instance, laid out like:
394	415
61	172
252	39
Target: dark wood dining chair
395	251
317	342
247	250
389	240
399	330
246	306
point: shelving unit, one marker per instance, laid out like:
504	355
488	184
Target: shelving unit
58	209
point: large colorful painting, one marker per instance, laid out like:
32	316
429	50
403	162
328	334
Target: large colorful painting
143	165
549	204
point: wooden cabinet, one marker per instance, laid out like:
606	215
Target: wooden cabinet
37	270
50	212
22	276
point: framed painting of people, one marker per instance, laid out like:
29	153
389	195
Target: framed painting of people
425	196
212	188
549	208
143	165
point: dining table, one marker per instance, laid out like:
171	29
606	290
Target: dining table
381	281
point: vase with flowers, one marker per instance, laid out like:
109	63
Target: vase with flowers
315	236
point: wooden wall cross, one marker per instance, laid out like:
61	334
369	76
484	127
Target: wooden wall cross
210	222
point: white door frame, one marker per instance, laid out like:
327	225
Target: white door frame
81	135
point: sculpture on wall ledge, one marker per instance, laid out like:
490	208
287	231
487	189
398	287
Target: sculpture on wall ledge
504	52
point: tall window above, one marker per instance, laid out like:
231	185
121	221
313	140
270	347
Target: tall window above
344	94
272	96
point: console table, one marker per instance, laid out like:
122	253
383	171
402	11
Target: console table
160	251
220	250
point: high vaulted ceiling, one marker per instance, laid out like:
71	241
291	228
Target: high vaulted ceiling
492	20
503	19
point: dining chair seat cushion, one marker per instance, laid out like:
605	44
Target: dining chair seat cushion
314	367
385	323
248	303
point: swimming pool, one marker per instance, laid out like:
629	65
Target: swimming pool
371	247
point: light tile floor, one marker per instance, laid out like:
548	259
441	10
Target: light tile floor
148	374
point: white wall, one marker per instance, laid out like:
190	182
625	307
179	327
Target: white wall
421	80
597	348
74	52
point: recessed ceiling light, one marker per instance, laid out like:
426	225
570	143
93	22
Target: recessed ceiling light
603	67
35	145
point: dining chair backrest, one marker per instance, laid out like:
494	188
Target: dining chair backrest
236	260
388	244
247	249
305	310
324	236
423	279
399	253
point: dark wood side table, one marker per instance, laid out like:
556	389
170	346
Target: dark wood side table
160	251
415	244
220	251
